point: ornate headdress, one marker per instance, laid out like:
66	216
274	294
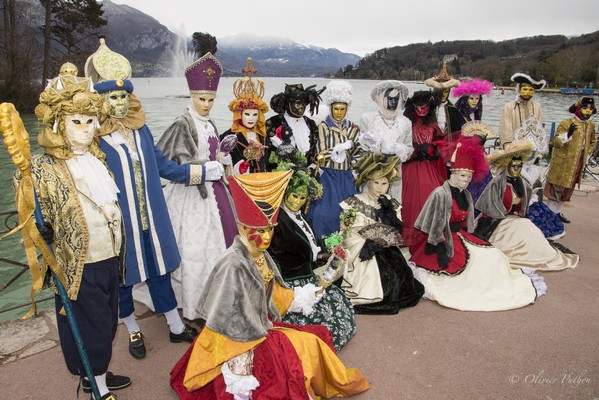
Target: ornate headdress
258	196
280	101
473	86
203	75
375	166
466	156
248	95
108	70
518	148
74	98
443	80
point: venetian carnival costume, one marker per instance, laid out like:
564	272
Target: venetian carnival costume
290	130
338	141
448	116
477	133
202	216
458	269
573	143
252	149
521	111
243	350
387	130
151	252
425	169
470	98
504	206
78	200
294	249
378	279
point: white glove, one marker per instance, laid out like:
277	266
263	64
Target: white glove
305	299
402	151
339	152
275	141
240	386
347	145
368	142
214	170
226	159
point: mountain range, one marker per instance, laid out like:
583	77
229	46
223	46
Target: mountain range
154	50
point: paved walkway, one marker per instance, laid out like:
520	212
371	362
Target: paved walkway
546	351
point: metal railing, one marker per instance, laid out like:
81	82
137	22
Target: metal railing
8	221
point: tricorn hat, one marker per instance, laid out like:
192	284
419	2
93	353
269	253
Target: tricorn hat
583	101
521	78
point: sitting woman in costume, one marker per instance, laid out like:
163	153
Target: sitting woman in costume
470	102
378	279
477	133
249	125
338	141
243	350
504	207
424	171
294	249
458	269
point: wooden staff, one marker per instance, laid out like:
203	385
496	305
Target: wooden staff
16	140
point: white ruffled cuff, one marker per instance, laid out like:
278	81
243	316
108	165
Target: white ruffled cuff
304	299
240	386
275	141
563	137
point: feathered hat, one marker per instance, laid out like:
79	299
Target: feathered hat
469	157
280	101
203	75
443	80
257	197
338	92
519	78
473	87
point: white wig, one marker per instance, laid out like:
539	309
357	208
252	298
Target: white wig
338	92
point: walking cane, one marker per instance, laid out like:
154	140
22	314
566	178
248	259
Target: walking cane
16	140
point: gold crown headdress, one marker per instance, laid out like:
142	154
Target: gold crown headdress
246	87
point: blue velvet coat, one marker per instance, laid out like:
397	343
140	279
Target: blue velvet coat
154	165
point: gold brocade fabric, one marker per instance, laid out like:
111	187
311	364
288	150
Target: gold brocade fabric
135	118
282	297
210	351
138	176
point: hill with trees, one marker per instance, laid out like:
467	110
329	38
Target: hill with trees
560	60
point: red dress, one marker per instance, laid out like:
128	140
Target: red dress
460	253
419	177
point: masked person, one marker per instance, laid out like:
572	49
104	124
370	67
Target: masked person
294	249
387	130
470	98
202	213
448	116
458	269
504	206
425	170
252	151
78	199
244	351
338	142
378	279
290	130
523	111
573	143
137	164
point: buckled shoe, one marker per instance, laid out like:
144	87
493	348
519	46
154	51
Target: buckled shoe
188	335
137	347
113	382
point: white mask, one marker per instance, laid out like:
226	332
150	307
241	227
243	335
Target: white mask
80	131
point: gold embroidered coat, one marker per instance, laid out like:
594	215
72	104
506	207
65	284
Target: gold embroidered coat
565	157
60	207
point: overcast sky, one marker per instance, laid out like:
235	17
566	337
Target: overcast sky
363	26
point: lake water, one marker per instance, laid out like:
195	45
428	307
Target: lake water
163	100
